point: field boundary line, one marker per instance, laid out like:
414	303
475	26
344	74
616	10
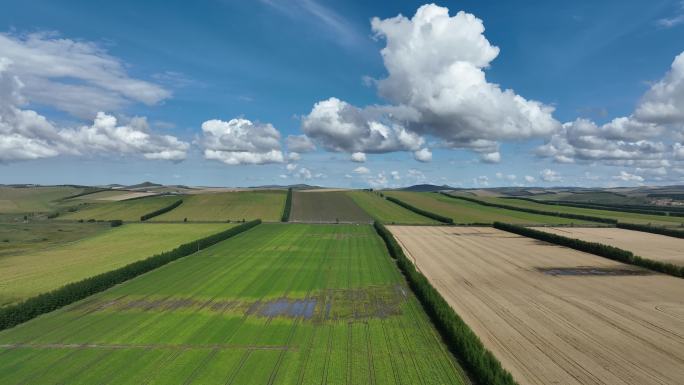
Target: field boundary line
420	211
463	343
13	315
599	249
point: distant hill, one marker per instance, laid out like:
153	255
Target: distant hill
143	185
293	186
426	188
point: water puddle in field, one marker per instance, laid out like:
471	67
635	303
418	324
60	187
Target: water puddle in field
288	308
592	271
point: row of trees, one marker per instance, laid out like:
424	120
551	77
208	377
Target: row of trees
461	340
288	206
161	210
636	209
44	303
533	211
422	212
652	229
599	249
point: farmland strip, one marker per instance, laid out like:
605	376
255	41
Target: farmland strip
422	212
161	210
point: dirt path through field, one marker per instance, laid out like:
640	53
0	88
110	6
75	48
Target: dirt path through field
549	328
647	245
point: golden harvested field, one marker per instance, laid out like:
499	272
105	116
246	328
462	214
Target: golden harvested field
647	245
559	327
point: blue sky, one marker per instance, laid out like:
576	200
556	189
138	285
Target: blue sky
270	61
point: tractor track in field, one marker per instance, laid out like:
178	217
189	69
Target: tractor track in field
148	346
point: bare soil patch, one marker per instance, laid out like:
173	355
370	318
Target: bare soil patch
555	329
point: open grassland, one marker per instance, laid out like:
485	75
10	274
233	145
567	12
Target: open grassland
279	304
553	315
468	212
385	211
656	220
127	210
16	238
27	274
233	206
17	200
652	246
326	207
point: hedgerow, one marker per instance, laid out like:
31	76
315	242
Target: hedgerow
161	210
13	315
599	249
422	212
652	229
288	206
461	340
534	211
635	209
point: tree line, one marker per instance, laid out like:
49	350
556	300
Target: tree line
596	248
161	210
652	229
288	206
459	338
13	315
422	212
635	209
534	211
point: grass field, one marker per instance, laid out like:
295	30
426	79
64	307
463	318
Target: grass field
386	211
652	246
326	207
280	304
16	238
620	216
127	210
554	315
234	206
468	212
16	200
30	273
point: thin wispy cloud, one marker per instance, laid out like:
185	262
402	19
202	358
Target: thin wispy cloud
314	12
677	19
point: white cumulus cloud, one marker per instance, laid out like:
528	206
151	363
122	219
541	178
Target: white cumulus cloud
358	157
240	141
548	175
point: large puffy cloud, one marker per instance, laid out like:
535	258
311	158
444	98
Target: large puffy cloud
74	76
240	141
646	140
437	86
25	134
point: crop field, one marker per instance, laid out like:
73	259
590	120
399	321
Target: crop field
18	238
468	212
16	200
233	206
108	195
386	211
26	274
127	210
652	246
326	207
656	220
554	315
279	304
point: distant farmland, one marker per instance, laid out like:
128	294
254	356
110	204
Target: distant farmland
127	210
386	211
326	207
14	200
282	304
652	246
20	237
30	273
233	206
554	315
658	220
467	212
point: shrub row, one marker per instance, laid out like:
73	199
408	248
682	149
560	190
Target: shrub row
115	222
86	192
636	209
461	340
288	206
652	229
13	315
161	210
599	249
422	212
534	211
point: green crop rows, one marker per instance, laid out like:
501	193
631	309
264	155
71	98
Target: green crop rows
127	210
228	206
280	304
386	211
